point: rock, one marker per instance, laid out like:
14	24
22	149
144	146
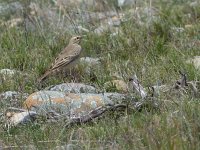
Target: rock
195	61
121	3
110	24
194	4
100	30
45	15
6	74
12	95
143	15
12	98
96	5
8	8
178	29
43	97
119	84
70	104
73	88
89	63
72	3
22	117
114	21
96	17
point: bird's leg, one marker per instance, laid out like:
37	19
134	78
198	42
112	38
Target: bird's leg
70	71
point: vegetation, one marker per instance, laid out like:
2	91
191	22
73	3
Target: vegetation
156	51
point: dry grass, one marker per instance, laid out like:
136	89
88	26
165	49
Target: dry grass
155	52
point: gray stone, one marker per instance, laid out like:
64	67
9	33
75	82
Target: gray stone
194	4
178	29
125	2
100	30
73	88
90	61
12	98
70	104
195	61
143	15
89	64
8	74
7	8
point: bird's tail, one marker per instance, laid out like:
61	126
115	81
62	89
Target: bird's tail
44	76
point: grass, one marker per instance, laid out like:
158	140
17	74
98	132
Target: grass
155	52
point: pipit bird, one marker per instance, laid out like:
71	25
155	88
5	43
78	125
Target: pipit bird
65	57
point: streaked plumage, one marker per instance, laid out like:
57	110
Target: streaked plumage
65	58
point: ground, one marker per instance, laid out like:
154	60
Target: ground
154	41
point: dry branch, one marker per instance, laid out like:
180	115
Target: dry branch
93	114
138	87
182	82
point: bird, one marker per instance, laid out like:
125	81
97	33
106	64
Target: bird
65	58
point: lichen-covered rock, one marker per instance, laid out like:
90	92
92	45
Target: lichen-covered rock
70	104
12	98
43	97
73	88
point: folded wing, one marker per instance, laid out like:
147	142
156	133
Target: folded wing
66	59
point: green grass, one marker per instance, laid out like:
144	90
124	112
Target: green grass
155	52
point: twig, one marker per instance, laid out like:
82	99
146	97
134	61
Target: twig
86	118
182	82
15	109
93	114
138	87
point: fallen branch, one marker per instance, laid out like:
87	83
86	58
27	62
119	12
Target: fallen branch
93	114
86	118
182	82
138	87
15	109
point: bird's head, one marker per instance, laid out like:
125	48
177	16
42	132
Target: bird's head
75	40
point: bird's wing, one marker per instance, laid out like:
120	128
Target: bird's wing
66	58
64	51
